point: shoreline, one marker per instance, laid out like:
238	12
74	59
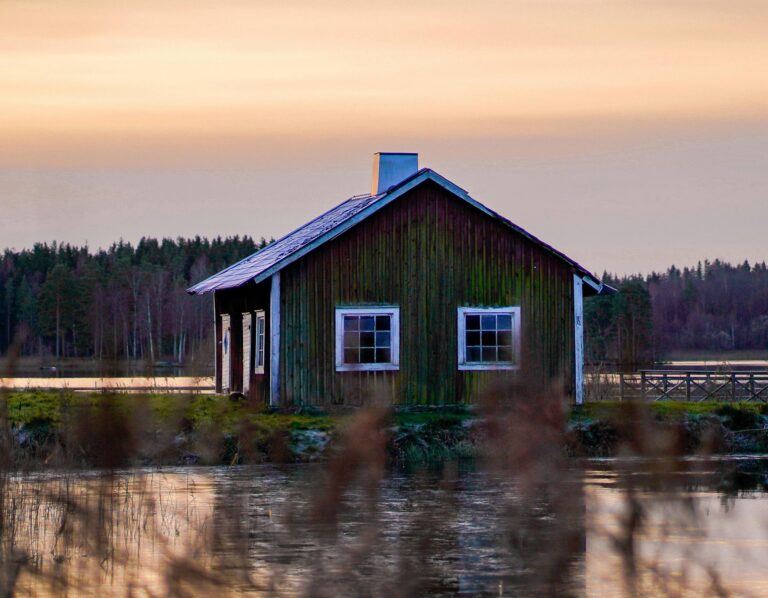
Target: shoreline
68	429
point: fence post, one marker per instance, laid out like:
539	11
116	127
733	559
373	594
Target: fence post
621	386
687	386
733	386
642	384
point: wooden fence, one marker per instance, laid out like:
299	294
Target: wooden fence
657	385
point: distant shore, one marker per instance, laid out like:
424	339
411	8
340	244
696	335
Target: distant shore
116	384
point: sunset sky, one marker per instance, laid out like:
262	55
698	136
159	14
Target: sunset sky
629	134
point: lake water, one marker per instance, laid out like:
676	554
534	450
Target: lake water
310	530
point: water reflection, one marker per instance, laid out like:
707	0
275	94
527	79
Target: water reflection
257	529
705	534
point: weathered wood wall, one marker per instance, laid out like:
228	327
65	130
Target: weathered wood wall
429	253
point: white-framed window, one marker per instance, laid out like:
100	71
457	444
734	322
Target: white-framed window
367	338
260	344
489	338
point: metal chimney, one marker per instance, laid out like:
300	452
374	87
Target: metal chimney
389	168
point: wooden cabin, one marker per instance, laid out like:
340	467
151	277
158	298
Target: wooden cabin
414	292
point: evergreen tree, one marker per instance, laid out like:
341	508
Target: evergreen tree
26	312
9	294
59	308
634	324
599	328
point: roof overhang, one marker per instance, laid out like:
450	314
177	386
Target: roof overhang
595	287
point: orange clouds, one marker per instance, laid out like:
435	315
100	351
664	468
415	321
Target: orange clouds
84	81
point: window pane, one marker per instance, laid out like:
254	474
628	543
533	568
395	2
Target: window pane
351	356
260	325
367	322
367	339
505	338
367	355
473	354
489	354
382	339
382	323
505	354
259	341
352	339
351	322
489	338
382	356
473	337
488	322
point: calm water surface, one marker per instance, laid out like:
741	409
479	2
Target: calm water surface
286	531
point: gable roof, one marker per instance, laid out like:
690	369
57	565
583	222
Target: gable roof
286	250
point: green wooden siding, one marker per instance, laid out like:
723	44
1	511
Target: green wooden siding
429	253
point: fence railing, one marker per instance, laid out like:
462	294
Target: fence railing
657	385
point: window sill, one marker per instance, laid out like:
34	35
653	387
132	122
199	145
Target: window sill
367	367
487	366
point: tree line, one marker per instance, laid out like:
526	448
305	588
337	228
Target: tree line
124	302
130	302
715	306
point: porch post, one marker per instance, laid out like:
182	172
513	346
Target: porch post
578	333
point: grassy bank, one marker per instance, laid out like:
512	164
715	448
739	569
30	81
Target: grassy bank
98	429
92	430
103	429
676	428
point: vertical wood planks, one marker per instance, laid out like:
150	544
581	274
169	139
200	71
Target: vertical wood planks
274	341
429	253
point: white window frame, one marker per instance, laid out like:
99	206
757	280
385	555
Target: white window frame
259	316
394	330
512	310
